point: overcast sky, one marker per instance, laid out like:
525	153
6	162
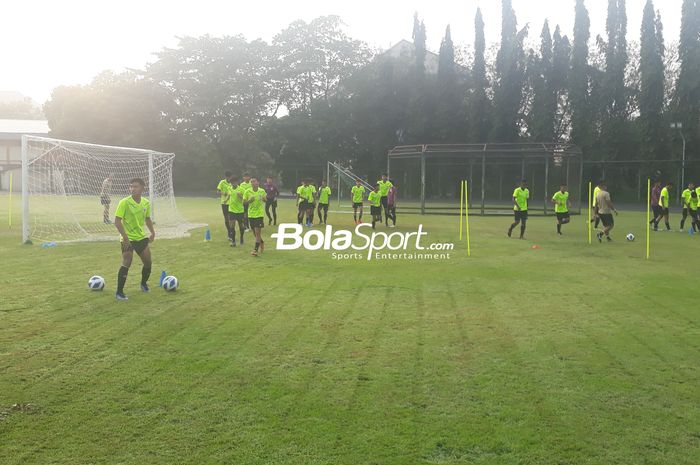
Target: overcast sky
46	43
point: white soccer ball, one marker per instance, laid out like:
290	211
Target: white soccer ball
96	283
170	283
630	237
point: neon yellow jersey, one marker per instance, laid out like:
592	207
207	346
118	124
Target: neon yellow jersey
134	216
663	198
324	194
521	196
384	187
685	195
245	185
693	203
595	195
224	187
374	198
256	207
235	201
306	193
561	200
312	193
358	193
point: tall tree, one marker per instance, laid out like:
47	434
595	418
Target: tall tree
510	77
561	58
450	95
616	137
581	113
688	83
544	105
651	97
479	119
446	62
419	38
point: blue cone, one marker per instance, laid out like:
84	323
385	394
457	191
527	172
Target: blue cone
207	235
162	278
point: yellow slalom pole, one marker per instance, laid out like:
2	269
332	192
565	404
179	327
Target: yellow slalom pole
466	217
9	209
648	214
590	194
461	207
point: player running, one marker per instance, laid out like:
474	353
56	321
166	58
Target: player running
375	202
324	195
271	203
391	203
605	211
303	193
358	194
384	186
685	199
560	199
595	218
223	189
105	199
246	185
654	203
664	204
236	211
521	194
255	198
132	214
693	210
312	204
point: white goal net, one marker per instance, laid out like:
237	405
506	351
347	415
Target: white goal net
70	190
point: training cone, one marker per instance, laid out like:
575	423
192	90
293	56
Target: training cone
536	247
207	235
162	278
691	231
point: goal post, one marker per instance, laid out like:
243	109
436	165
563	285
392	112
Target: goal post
70	190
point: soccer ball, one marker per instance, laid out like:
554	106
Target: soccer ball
630	237
96	283
170	283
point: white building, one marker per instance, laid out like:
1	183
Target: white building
11	131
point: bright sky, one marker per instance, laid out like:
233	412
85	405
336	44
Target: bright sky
46	43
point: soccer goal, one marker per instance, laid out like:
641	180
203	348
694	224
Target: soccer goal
341	181
70	190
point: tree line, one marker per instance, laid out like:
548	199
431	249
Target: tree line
314	94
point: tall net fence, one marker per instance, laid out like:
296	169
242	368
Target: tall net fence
428	177
71	189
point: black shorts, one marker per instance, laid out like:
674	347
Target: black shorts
375	211
136	246
561	216
385	201
235	216
520	215
256	222
105	200
664	211
658	211
323	206
357	205
271	203
607	219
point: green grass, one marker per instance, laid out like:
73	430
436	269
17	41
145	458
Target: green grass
567	354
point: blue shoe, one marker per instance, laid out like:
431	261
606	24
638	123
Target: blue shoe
145	288
120	296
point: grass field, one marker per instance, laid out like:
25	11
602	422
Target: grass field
567	354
